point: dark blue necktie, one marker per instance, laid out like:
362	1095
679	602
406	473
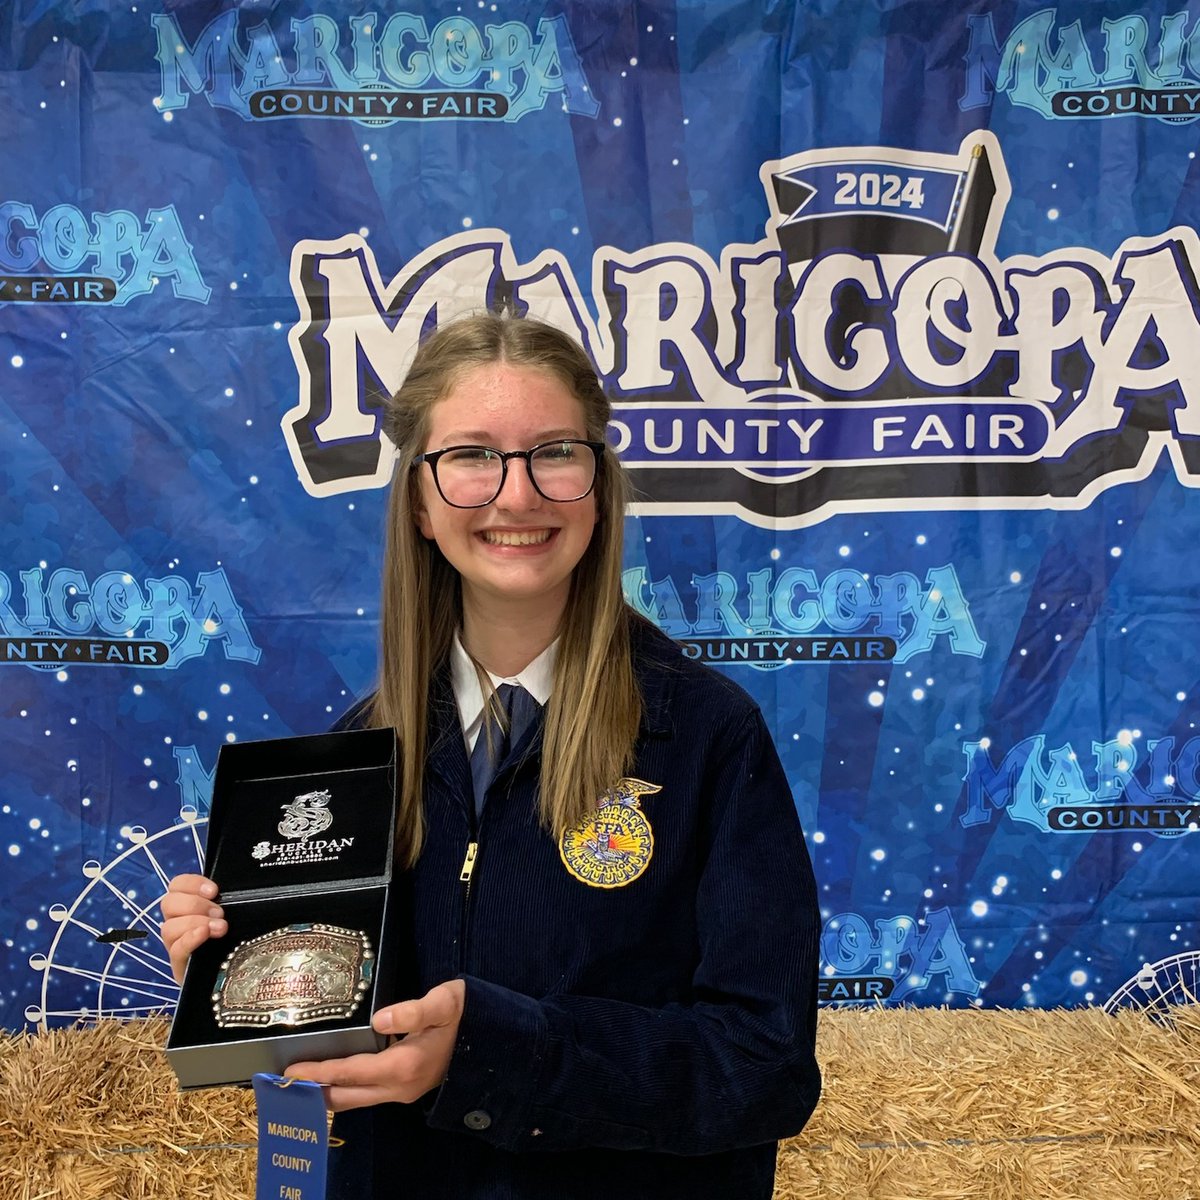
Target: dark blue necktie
496	738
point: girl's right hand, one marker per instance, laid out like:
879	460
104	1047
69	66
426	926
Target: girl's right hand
191	915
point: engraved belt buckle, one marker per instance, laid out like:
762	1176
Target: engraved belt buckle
296	975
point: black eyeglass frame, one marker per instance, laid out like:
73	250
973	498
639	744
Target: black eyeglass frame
434	456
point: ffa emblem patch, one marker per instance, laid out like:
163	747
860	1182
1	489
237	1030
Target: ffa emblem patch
613	846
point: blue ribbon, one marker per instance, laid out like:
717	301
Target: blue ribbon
293	1139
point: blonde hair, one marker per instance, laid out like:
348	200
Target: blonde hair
593	714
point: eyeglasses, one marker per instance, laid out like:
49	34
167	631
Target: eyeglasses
473	476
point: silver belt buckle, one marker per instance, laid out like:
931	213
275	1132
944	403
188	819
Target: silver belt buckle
296	975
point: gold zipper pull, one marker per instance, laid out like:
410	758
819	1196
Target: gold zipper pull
464	876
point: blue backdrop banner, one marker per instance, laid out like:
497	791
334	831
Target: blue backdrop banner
897	304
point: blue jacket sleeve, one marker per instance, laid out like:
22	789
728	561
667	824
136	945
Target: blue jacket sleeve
734	1067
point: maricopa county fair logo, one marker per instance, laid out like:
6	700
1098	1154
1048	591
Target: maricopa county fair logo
790	615
67	620
1155	791
67	256
1067	73
386	70
800	379
892	957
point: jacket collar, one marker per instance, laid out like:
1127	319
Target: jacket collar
657	663
446	752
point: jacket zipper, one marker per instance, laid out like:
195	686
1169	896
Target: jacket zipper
468	867
464	877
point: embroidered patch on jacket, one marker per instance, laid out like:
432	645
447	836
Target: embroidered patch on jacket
613	846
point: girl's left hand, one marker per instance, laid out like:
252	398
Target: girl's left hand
408	1068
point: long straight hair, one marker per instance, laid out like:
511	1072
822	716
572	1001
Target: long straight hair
595	708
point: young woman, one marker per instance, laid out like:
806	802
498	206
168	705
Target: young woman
615	939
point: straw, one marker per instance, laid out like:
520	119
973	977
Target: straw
919	1104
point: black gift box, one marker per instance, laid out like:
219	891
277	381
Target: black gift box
300	832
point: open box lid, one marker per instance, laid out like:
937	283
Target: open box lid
303	813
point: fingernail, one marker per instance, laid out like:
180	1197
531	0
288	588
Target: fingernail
216	912
216	927
208	890
383	1021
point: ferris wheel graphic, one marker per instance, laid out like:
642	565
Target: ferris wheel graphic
1159	987
107	957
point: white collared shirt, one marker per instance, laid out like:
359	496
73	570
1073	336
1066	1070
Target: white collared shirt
537	679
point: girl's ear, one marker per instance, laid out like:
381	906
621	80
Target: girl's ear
418	511
421	520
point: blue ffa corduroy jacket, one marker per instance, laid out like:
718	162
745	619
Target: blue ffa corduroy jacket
640	1000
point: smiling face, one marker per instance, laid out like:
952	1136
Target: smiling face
520	549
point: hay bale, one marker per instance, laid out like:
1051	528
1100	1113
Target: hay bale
919	1104
94	1113
999	1105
